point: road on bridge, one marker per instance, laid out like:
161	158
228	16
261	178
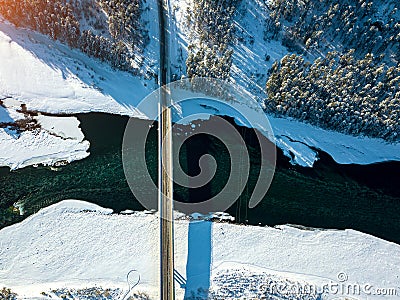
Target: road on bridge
165	161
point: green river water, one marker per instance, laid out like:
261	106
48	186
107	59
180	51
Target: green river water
332	196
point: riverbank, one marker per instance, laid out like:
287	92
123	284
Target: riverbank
76	244
49	77
31	138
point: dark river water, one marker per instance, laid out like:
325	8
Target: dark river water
332	196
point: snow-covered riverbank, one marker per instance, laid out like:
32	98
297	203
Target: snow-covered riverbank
47	76
77	244
50	77
41	140
249	70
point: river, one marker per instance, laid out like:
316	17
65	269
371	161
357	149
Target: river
331	196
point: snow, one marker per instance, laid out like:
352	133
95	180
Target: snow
8	111
58	139
77	244
64	127
179	37
299	153
301	139
5	116
50	77
18	150
150	57
249	68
